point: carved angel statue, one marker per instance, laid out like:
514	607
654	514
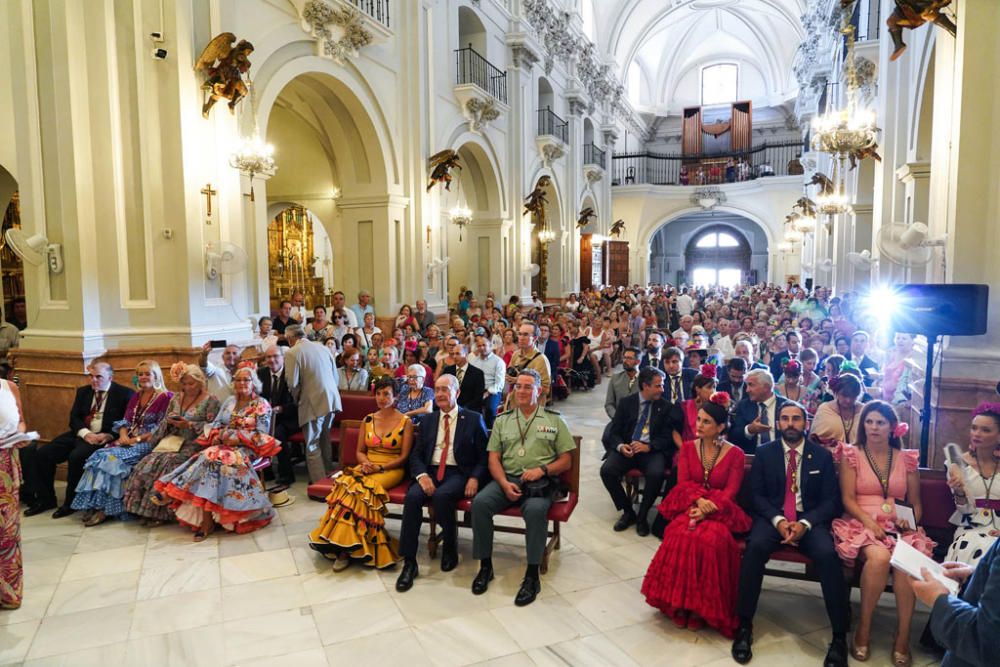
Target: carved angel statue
617	228
913	14
441	164
586	215
826	186
224	66
536	201
858	156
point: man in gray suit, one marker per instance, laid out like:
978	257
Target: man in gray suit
622	384
311	376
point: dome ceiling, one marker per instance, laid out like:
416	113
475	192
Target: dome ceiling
671	40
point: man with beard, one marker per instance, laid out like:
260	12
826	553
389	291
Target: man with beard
654	352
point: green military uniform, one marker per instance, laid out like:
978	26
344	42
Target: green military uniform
522	444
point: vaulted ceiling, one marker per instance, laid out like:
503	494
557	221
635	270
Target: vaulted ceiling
671	40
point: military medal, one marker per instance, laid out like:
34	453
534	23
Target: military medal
524	432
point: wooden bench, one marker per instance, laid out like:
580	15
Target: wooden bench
559	513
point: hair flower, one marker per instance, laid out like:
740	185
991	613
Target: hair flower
177	371
902	428
721	398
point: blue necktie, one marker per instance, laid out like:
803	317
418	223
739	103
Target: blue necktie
641	422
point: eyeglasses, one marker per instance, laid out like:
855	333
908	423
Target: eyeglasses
524	386
413	377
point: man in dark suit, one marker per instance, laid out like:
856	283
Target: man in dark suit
859	347
447	463
548	347
733	384
794	501
653	356
793	343
95	410
755	417
640	438
471	381
284	412
677	383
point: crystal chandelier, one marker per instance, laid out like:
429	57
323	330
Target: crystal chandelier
793	236
460	215
253	155
834	203
546	236
805	224
851	129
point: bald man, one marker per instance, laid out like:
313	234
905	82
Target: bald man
220	378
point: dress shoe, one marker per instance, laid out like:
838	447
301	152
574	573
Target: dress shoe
38	508
623	523
449	559
741	645
63	511
482	581
836	655
410	572
530	588
642	528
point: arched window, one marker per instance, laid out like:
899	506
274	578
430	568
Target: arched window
719	84
717	240
634	84
718	256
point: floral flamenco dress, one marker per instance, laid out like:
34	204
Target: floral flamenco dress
11	569
221	479
849	535
106	471
354	522
697	566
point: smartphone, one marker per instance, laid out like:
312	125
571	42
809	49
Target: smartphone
217	344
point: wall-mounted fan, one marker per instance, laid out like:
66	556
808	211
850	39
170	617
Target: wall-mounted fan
862	260
35	249
906	245
224	259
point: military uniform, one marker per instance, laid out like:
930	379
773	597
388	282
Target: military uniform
522	444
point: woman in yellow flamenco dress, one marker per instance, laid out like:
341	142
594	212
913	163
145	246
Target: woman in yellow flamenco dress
353	527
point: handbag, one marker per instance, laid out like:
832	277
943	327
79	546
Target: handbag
169	443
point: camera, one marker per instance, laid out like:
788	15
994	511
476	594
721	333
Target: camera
160	54
156	36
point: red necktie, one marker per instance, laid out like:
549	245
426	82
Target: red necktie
790	475
444	447
98	404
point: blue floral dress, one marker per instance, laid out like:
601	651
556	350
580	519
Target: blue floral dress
221	479
405	404
102	486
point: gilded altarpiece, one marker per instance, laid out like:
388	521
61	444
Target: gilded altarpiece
292	258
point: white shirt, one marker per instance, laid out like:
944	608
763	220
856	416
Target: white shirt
685	305
352	319
769	407
220	381
97	421
494	369
436	458
725	347
798	476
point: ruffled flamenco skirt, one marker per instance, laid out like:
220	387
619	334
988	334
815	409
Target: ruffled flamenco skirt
219	480
105	473
850	536
354	522
697	565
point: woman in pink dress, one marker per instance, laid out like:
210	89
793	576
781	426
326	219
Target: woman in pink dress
694	575
876	476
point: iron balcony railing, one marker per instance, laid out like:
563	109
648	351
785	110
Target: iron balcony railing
471	67
377	9
550	123
594	155
704	169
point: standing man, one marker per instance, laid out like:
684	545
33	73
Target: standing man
641	438
96	408
795	493
494	374
363	306
424	317
311	375
685	305
526	356
756	417
471	381
220	378
529	448
859	349
448	462
339	302
624	383
284	412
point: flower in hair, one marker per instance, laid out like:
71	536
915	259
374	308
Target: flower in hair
986	408
709	370
177	371
793	367
248	365
850	367
721	398
902	428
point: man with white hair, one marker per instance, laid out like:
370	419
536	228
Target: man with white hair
311	375
424	317
744	350
754	420
686	322
284	413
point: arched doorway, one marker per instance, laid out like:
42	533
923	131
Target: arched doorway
11	266
724	245
718	255
299	256
332	167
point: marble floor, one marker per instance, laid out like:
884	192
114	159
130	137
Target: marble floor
119	594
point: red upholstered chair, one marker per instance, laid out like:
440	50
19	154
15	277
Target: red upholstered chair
347	456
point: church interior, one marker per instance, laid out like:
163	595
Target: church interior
211	168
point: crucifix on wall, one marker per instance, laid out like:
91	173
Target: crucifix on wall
209	193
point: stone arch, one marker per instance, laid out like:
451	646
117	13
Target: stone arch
471	31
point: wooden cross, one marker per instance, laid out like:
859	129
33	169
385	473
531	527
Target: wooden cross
209	193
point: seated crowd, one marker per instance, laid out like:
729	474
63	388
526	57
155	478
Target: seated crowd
708	378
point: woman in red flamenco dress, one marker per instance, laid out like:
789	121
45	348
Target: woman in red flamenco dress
693	578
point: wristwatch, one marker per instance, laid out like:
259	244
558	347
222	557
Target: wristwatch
545	470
